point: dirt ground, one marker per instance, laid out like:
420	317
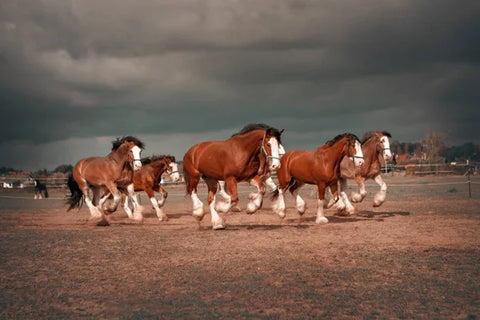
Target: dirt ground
415	257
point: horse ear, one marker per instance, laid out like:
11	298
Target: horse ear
281	131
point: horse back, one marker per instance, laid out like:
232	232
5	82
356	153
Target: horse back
219	159
96	170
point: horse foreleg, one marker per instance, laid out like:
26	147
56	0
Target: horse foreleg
344	202
126	206
256	199
160	214
321	199
137	213
381	195
217	221
163	195
223	206
96	214
358	197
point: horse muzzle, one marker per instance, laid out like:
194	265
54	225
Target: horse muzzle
274	165
137	165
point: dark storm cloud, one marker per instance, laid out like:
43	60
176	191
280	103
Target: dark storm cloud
84	69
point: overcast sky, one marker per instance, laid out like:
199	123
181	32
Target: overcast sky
74	75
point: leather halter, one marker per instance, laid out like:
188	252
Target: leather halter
265	151
354	156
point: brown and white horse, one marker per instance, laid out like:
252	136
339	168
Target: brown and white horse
374	145
148	179
95	173
251	153
320	167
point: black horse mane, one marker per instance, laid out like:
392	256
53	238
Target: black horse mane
339	137
154	158
259	126
370	134
117	143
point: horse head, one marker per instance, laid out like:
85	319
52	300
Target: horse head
353	148
383	143
134	146
171	168
271	148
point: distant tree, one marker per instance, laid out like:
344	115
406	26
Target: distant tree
7	170
41	172
467	151
64	168
433	143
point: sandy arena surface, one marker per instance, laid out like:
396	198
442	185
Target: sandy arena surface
415	257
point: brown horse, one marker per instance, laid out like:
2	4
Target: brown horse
375	145
320	167
252	152
104	172
148	179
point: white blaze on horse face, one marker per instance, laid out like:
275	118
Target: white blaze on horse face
174	169
281	150
137	164
358	154
387	154
274	163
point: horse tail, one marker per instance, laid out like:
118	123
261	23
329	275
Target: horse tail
75	198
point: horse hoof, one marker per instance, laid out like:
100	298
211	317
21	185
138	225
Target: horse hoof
163	218
377	204
321	220
100	222
218	225
251	208
282	214
235	209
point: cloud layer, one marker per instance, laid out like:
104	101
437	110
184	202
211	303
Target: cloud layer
82	70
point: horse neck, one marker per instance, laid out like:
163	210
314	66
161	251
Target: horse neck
120	156
335	153
370	152
250	141
158	167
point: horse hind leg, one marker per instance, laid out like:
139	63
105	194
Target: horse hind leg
256	199
218	222
223	206
300	204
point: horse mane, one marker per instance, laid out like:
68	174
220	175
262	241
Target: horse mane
117	143
339	137
259	126
370	134
155	158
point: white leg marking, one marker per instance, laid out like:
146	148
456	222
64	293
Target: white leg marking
127	209
278	205
269	182
381	195
160	214
299	202
320	216
197	206
217	221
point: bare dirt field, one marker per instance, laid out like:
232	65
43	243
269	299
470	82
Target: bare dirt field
415	257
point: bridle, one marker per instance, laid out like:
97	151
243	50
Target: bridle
379	146
170	171
353	156
265	150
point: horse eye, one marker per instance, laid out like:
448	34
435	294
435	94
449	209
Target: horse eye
268	144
